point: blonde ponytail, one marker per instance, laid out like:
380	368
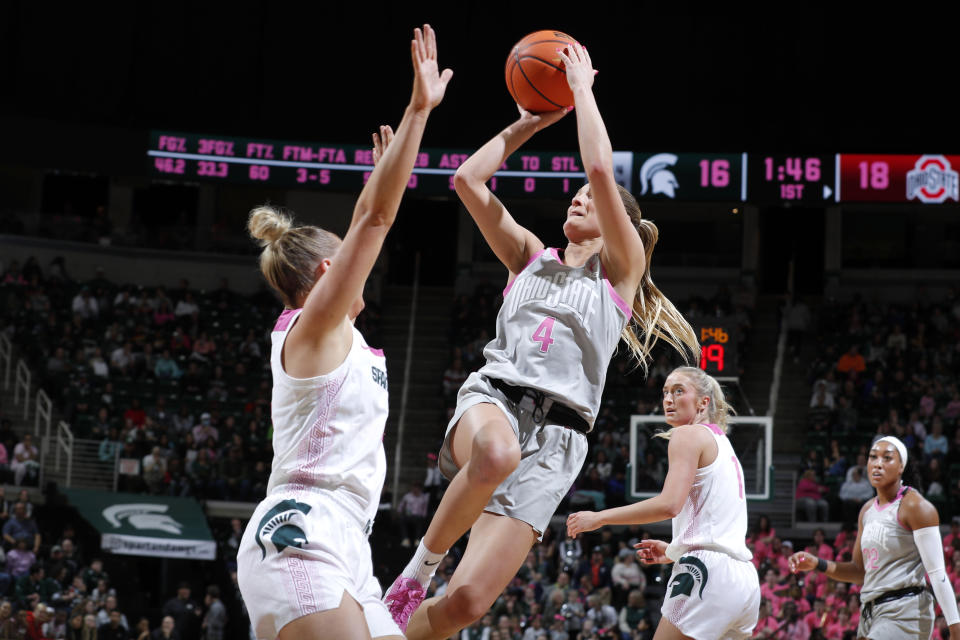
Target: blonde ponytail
290	254
654	316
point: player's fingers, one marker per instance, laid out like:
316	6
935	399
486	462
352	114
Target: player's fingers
389	134
421	47
430	41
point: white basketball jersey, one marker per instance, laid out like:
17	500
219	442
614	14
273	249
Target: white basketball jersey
714	516
328	430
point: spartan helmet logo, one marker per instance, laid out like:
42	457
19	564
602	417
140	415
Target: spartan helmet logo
693	571
276	526
655	177
142	516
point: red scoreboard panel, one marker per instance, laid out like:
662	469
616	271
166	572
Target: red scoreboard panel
928	178
718	348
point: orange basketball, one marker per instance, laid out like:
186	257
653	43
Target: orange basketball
536	77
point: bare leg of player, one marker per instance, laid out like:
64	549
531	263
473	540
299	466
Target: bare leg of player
666	631
346	622
486	450
497	548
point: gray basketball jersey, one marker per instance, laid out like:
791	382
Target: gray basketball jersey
890	556
557	330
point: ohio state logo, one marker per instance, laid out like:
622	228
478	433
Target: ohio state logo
932	180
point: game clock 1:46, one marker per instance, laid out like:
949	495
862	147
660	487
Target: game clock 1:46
790	178
718	349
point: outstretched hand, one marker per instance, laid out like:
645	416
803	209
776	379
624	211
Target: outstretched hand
579	67
429	84
581	522
381	141
652	552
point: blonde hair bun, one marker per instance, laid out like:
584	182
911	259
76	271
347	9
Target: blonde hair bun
267	225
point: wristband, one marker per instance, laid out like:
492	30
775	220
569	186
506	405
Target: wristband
821	565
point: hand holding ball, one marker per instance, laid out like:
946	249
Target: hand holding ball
535	73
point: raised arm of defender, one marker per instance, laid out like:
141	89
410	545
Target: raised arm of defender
379	200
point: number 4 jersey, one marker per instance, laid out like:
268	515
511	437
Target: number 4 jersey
557	330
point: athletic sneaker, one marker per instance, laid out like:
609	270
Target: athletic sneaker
402	599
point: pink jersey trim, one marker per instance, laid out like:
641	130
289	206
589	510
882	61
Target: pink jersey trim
876	503
284	320
376	352
620	302
509	286
717	430
556	254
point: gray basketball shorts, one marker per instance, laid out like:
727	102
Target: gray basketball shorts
901	619
551	457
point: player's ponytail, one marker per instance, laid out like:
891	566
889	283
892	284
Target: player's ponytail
654	316
290	254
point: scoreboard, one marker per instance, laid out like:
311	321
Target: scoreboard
718	349
928	178
191	157
766	178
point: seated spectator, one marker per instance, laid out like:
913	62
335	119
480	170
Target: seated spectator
854	492
187	306
113	630
412	514
250	347
85	305
154	468
166	367
35	619
626	576
836	462
760	538
603	616
837	629
205	429
122	359
98	365
454	376
135	414
109	446
810	497
821	397
935	445
4	472
21	528
851	361
166	630
26	460
233	482
109	606
34	587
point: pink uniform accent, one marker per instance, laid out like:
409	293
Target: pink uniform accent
506	289
717	430
284	320
621	303
376	352
876	502
556	254
312	451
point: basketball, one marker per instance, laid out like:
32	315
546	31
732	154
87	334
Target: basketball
535	74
